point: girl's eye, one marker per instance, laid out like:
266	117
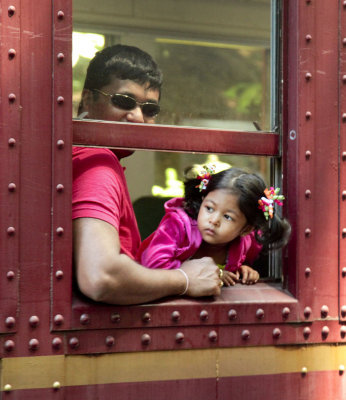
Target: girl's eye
228	217
209	209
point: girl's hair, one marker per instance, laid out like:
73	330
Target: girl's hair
249	188
121	62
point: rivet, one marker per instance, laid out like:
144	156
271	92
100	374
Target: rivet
11	97
304	371
11	142
341	369
9	345
344	4
12	187
60	188
56	385
285	312
306	332
58	319
11	230
60	56
307	272
34	321
74	343
344	117
308	115
10	275
343	272
60	100
33	344
276	333
146	339
343	311
308	193
11	53
84	319
259	313
146	317
343	195
325	331
344	78
344	232
343	156
308	154
212	336
232	314
245	335
60	231
60	15
56	343
308	1
308	38
59	274
175	316
10	322
7	387
60	144
11	10
307	312
308	76
110	341
179	337
324	311
307	232
343	331
115	317
204	315
344	41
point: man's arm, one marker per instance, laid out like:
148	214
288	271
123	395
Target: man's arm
104	274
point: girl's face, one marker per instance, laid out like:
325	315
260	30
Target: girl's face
219	219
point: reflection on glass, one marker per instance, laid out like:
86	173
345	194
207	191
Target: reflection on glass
215	56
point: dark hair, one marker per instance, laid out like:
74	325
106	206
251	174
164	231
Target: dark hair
249	188
122	62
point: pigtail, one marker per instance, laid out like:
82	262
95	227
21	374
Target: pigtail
193	196
273	234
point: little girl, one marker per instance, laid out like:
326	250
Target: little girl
228	216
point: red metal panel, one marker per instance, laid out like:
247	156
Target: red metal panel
62	166
312	151
171	138
342	163
10	121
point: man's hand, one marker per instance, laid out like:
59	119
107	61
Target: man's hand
203	276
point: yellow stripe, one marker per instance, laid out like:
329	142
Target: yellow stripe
42	372
205	44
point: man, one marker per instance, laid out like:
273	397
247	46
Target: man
123	84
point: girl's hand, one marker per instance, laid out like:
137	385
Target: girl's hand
229	278
249	275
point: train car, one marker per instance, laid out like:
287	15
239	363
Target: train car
259	83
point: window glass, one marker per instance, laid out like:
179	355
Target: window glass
215	56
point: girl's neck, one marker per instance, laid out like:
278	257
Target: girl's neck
217	252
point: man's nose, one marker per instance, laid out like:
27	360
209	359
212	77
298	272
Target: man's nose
135	115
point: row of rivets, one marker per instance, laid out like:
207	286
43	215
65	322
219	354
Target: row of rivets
204	315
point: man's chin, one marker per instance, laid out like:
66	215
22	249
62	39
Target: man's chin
122	153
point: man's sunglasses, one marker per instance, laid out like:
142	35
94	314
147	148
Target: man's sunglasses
125	102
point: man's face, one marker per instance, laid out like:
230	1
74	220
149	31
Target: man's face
104	109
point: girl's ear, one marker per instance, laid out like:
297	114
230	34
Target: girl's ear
246	230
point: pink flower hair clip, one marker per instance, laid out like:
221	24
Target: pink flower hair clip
266	204
205	175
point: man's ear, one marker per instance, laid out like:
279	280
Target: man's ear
246	230
87	99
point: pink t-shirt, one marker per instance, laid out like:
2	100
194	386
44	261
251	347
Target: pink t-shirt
100	191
